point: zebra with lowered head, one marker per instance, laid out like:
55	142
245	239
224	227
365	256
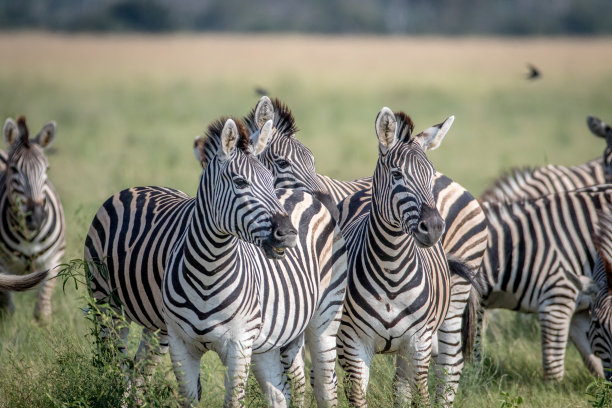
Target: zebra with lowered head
538	250
32	227
398	289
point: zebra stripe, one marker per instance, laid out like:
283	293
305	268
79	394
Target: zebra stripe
32	226
398	286
537	249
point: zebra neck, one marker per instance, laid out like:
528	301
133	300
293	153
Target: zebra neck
390	248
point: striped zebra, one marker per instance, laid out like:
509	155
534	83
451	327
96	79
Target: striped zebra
398	290
539	181
537	250
137	232
465	236
598	290
32	227
464	239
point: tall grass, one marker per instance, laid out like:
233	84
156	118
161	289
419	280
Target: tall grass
128	107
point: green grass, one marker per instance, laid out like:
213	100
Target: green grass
128	108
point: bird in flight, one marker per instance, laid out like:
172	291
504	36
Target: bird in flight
534	73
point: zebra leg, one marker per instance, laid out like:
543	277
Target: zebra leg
554	323
321	341
186	365
42	310
236	356
355	359
292	359
150	351
412	367
579	328
6	302
270	375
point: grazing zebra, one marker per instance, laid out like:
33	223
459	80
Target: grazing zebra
135	232
598	290
32	227
537	250
539	181
398	289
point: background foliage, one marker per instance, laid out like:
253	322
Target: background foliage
500	17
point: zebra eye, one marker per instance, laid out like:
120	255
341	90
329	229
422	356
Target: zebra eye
14	169
397	175
240	182
282	162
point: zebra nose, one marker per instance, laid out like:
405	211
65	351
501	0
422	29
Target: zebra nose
282	230
430	226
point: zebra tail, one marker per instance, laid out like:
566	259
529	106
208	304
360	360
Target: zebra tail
20	283
469	319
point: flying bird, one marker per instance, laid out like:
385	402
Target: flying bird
534	73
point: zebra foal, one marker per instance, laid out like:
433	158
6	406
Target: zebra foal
32	226
398	289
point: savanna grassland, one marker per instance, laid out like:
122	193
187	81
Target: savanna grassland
128	107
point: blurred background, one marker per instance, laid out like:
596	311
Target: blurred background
130	83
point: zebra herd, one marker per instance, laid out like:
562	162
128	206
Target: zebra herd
271	258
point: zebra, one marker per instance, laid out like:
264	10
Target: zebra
221	293
598	291
136	233
32	226
398	290
537	250
464	238
536	182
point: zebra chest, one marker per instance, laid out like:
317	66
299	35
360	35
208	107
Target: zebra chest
22	257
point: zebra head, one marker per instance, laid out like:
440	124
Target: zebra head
292	164
240	191
602	129
402	183
599	292
26	172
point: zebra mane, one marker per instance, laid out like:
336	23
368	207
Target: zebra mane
602	238
508	180
405	126
208	145
284	122
24	134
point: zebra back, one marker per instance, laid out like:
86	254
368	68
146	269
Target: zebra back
539	181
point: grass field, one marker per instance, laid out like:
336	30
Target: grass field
128	107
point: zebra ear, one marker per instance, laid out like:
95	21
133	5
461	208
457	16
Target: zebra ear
264	111
260	139
386	126
46	135
598	127
229	138
431	138
10	131
198	149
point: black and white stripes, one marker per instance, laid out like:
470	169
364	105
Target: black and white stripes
32	226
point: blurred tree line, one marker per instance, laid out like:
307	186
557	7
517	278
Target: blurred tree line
500	17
